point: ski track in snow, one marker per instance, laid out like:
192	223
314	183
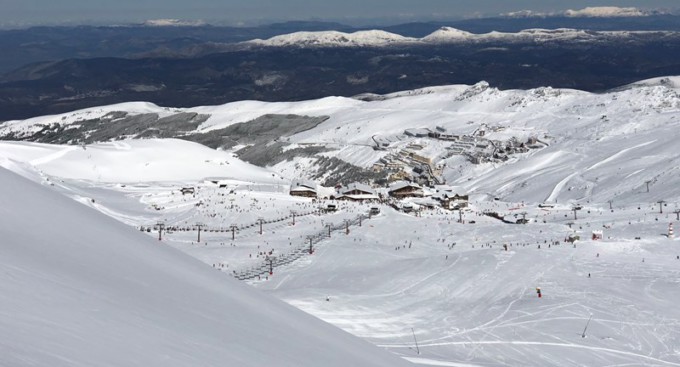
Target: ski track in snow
545	344
558	188
119	145
560	185
433	362
617	155
54	156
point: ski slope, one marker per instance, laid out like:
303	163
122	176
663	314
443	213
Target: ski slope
475	304
467	300
136	161
80	289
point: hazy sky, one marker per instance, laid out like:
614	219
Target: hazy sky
232	11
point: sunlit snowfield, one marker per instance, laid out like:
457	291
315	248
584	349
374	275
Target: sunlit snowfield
467	299
427	287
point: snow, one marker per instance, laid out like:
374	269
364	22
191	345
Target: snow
447	34
136	161
478	306
173	23
80	289
596	11
583	130
360	39
605	12
589	135
32	125
469	302
243	111
444	35
670	82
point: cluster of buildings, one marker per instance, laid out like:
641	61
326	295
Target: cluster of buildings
478	149
413	164
473	145
420	167
447	197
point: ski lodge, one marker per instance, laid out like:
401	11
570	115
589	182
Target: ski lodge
405	189
356	192
305	189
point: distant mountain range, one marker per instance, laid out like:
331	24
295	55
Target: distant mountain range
170	37
591	12
446	35
169	62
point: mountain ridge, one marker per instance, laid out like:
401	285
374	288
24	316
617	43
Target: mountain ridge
359	134
444	35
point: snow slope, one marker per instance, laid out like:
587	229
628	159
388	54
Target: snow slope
35	124
469	302
472	304
79	289
136	161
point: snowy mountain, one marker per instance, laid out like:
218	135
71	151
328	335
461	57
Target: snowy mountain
341	138
669	82
444	35
569	192
447	34
334	38
588	12
605	12
80	289
451	35
173	23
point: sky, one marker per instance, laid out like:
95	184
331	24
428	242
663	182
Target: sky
247	11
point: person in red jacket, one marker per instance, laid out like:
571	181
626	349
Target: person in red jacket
538	291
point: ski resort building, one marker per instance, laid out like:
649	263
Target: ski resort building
187	190
418	132
405	189
451	197
216	181
357	192
306	189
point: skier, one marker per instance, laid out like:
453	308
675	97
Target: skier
538	291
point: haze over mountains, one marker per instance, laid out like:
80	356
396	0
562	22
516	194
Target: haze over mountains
183	63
